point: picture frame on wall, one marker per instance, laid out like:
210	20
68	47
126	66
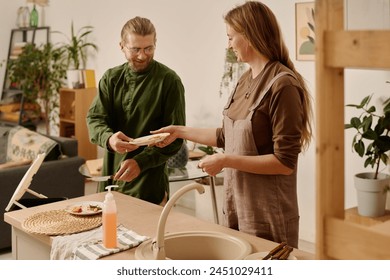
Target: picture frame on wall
304	31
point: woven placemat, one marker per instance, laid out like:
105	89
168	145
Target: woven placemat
60	222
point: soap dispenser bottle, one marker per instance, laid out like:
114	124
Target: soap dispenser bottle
109	219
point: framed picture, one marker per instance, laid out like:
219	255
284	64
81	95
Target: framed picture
304	30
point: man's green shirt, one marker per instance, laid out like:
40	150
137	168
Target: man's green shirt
136	103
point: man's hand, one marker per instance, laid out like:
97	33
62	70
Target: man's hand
119	142
129	171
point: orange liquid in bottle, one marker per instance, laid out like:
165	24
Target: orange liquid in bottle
109	230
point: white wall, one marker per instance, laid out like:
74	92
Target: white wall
192	40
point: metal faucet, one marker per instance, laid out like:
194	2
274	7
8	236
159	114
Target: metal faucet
158	244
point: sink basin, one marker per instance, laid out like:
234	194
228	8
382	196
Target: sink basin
191	245
198	245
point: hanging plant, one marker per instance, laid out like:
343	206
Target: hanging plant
232	72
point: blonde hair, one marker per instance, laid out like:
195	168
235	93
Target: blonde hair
258	24
138	25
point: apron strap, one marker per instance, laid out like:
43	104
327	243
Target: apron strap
229	101
266	89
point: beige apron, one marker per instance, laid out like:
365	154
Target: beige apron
261	205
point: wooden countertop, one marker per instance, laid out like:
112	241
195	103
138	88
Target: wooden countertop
142	217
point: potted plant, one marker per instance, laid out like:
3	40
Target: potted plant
372	142
76	49
39	72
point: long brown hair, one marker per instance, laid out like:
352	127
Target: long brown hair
258	24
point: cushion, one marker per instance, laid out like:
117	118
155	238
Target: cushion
25	144
3	143
180	159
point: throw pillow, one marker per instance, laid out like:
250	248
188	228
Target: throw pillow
180	159
27	144
3	143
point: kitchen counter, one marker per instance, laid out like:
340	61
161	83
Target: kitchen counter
135	214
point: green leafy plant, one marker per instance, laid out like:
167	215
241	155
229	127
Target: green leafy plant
209	150
39	72
77	46
372	139
232	70
230	56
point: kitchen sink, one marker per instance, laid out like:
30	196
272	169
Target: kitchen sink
197	245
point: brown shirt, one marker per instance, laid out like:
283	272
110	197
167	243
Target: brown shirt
277	122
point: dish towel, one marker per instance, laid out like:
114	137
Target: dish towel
89	245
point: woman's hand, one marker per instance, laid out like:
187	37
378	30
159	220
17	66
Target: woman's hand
173	131
212	164
119	142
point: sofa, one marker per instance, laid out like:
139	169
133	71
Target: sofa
57	177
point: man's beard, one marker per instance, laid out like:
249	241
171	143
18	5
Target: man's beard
139	66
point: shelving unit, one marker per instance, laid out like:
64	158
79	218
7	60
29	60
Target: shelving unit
74	105
20	37
11	95
337	49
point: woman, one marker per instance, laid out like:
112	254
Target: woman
266	124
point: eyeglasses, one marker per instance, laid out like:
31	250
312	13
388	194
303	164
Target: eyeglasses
135	51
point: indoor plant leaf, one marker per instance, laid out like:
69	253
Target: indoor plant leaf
373	128
77	45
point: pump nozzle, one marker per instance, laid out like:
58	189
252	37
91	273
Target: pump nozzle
109	195
110	187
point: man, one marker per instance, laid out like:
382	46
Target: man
133	99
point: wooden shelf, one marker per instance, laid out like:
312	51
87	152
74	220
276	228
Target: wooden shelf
10	92
352	215
74	105
67	120
357	49
337	49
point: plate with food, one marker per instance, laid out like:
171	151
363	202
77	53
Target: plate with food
85	208
150	139
261	255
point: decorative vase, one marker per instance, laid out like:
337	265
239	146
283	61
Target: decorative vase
371	193
34	17
23	18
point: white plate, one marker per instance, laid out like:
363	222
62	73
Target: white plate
150	139
261	255
85	207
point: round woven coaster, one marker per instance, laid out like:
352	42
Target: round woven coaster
60	222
